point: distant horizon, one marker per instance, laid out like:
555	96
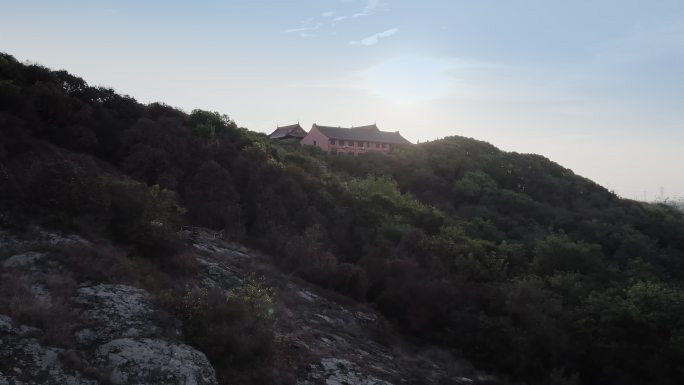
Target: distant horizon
597	87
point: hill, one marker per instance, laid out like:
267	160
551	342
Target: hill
507	259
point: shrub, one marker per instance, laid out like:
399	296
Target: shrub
145	216
234	330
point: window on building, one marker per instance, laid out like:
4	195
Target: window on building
377	145
384	145
314	142
332	141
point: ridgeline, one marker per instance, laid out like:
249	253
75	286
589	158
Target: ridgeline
510	260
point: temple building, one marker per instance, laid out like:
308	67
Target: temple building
354	140
293	131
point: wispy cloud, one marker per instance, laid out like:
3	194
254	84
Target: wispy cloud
370	8
301	29
329	19
373	39
304	30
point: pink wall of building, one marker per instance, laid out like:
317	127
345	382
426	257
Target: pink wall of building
340	146
357	147
316	138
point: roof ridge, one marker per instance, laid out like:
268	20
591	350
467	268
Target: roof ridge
369	134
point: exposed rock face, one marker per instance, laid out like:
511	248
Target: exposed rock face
154	361
326	339
116	335
24	259
39	238
110	312
334	371
24	360
337	341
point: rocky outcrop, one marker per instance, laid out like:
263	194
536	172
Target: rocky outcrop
334	371
24	360
336	341
116	336
110	312
154	361
26	259
325	339
38	238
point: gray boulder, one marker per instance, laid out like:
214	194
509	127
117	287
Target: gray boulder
111	312
154	361
25	361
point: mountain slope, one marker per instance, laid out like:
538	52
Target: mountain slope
113	332
509	259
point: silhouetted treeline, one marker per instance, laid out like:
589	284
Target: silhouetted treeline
512	260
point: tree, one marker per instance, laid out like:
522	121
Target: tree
211	198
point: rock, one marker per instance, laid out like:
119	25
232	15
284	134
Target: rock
54	239
154	361
307	295
218	275
331	340
5	324
28	258
335	371
366	318
39	238
321	338
114	311
7	328
30	361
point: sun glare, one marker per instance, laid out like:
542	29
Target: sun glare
410	79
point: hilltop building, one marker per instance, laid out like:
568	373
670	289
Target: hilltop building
354	140
293	131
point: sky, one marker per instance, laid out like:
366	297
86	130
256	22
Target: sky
597	86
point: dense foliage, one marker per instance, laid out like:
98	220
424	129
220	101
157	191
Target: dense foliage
522	266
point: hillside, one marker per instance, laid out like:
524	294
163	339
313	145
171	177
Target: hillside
92	326
509	260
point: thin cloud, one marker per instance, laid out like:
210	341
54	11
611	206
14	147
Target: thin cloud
301	29
370	8
331	18
373	39
305	29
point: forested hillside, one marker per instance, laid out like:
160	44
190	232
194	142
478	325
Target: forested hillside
509	259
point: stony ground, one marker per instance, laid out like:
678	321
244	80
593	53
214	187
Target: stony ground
115	335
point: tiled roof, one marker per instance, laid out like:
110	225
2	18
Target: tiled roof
290	130
364	133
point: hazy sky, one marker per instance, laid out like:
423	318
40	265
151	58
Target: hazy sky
597	86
